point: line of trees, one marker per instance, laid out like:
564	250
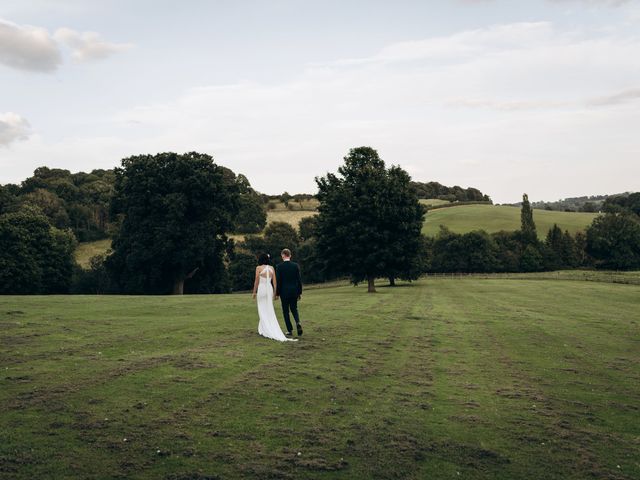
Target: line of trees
451	194
170	217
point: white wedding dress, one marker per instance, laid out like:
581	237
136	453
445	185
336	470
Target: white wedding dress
268	325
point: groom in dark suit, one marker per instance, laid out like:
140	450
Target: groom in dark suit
289	289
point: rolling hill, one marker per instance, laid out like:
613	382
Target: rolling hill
460	219
493	218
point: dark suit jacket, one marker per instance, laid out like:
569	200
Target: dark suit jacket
289	280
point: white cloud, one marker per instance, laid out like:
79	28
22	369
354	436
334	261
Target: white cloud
558	116
28	48
88	46
12	127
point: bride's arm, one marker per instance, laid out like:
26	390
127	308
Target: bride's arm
275	282
255	283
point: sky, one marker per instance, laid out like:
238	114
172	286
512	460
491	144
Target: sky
539	96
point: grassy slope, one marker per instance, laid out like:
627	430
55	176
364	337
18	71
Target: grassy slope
86	250
492	218
459	219
488	378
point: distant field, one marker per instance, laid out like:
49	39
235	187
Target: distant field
468	378
310	204
492	218
459	219
86	250
432	202
292	217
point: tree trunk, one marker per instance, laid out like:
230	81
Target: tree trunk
178	286
372	285
392	281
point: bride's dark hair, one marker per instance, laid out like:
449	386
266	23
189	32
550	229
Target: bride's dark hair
264	259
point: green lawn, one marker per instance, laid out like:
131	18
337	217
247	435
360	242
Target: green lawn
445	378
493	218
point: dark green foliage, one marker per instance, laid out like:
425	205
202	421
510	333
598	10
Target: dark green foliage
176	210
368	216
468	253
508	250
242	270
35	257
583	259
95	279
8	197
623	203
613	240
279	235
532	259
452	194
314	267
252	216
79	201
527	225
554	246
307	227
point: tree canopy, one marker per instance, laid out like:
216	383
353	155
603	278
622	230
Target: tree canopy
369	219
176	210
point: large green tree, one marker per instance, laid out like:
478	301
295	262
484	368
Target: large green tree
35	257
175	210
369	219
252	215
613	240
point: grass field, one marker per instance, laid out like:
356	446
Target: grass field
493	218
86	250
445	378
433	202
291	217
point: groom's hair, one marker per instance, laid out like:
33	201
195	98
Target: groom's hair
286	252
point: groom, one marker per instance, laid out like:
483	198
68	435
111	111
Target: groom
289	289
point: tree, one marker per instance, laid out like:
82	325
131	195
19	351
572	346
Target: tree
176	211
242	271
284	198
35	258
569	251
307	227
508	250
367	215
252	216
613	240
554	244
8	198
528	227
472	252
277	236
531	260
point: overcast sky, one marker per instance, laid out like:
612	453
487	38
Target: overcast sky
507	96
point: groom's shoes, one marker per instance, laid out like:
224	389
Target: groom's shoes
289	334
299	327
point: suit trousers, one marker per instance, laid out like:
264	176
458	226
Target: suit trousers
290	304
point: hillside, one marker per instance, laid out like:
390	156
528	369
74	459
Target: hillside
459	219
492	218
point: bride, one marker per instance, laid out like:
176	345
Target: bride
263	287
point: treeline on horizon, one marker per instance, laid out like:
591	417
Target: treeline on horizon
169	216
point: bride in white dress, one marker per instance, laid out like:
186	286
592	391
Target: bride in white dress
263	288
